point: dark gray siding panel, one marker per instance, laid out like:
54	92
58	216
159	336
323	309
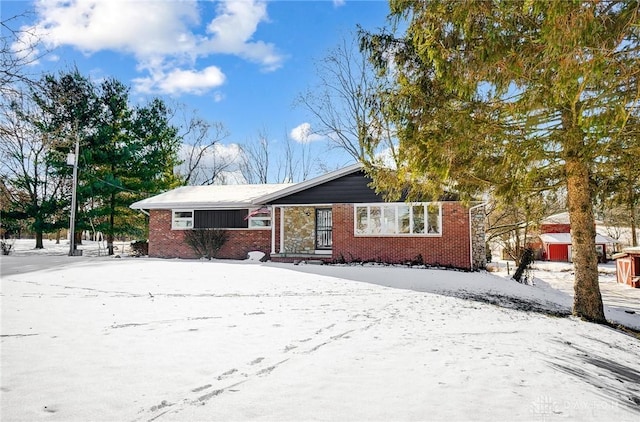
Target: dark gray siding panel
220	219
352	188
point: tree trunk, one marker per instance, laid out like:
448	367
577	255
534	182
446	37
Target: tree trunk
587	301
632	216
39	244
110	239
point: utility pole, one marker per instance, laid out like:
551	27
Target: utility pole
72	159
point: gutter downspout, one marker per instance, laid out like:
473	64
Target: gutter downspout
471	234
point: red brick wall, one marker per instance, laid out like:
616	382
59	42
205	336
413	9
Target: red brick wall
555	228
450	249
167	243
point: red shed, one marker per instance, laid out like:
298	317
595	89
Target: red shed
628	266
555	239
557	246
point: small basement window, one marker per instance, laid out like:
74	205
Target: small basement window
182	220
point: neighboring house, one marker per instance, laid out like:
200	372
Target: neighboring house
555	240
336	217
628	266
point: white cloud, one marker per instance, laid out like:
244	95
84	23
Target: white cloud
218	96
143	28
160	35
25	46
233	28
303	134
338	3
179	81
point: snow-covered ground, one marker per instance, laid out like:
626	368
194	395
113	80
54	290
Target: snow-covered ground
140	339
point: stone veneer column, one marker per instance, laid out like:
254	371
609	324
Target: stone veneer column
478	241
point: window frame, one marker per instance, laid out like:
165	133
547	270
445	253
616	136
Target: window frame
252	218
175	219
383	209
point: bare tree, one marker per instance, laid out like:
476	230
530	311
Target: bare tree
294	161
32	188
344	106
512	223
254	162
297	161
18	49
203	162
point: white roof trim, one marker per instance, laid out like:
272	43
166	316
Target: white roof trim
298	187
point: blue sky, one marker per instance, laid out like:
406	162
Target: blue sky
237	62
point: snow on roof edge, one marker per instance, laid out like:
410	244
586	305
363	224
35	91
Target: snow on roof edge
565	238
209	196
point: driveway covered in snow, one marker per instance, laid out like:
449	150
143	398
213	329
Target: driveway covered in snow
171	340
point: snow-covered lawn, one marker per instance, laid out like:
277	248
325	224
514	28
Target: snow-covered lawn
144	339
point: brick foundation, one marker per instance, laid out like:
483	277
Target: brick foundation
167	243
450	250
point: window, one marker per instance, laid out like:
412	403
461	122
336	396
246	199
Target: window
259	218
182	220
399	219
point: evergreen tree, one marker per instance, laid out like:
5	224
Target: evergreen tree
513	96
67	114
125	155
131	152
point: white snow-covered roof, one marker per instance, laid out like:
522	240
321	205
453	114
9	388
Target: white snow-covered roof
565	238
210	196
560	218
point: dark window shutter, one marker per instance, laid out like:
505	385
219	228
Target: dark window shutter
220	219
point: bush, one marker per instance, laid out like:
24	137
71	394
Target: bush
206	243
6	246
140	248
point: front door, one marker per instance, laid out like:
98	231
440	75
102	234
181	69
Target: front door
324	229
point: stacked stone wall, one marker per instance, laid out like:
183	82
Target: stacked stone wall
478	239
299	230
